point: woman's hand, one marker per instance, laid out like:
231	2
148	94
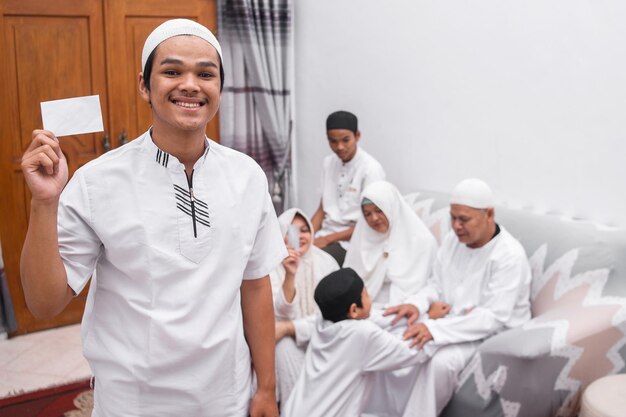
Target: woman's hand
291	262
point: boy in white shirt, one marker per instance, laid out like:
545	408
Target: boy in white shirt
344	176
345	351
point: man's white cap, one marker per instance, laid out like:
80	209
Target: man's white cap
176	27
474	193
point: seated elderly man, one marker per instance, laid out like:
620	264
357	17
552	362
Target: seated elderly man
480	286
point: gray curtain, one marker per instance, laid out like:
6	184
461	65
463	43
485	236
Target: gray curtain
7	315
256	112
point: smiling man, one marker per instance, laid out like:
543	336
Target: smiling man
179	234
482	276
344	175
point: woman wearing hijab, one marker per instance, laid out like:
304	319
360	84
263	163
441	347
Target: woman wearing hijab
391	248
293	286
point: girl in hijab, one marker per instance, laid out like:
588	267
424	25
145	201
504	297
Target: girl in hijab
293	286
391	248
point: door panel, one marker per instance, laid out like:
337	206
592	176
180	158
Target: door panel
50	53
128	24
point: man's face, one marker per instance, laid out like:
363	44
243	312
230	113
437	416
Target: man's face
473	227
184	84
343	143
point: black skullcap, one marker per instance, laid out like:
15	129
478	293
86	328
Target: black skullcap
342	120
336	292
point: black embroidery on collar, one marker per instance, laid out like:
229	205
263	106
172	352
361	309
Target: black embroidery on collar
162	157
183	203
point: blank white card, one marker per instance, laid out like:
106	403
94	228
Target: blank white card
72	116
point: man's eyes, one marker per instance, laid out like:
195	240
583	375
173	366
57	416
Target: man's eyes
204	74
461	219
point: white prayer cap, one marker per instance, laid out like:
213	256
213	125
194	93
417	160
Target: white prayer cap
176	27
474	193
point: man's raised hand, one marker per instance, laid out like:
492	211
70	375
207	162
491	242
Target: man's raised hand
44	166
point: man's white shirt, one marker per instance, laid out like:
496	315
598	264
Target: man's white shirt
342	184
488	289
162	328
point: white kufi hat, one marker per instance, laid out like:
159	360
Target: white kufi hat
176	27
474	193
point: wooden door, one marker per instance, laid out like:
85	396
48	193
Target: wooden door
50	50
58	49
128	24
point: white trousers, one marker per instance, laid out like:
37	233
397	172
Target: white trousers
289	363
422	390
437	379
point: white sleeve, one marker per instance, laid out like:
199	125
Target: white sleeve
498	301
269	248
79	246
283	310
384	352
304	329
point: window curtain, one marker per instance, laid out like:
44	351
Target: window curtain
7	316
256	114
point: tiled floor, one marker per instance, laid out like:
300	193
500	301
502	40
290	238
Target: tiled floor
41	360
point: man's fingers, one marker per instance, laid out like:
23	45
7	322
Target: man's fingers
391	310
410	332
412	318
42	137
50	153
399	315
45	144
39	161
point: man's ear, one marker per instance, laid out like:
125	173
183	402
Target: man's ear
490	213
143	90
357	135
352	311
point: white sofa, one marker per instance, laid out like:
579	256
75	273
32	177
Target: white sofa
578	330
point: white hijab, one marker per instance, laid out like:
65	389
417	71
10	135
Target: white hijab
314	265
404	254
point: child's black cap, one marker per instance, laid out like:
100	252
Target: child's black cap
336	292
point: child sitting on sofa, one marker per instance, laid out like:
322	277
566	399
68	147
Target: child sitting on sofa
345	351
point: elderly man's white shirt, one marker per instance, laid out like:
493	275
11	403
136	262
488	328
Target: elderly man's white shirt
488	288
163	329
342	184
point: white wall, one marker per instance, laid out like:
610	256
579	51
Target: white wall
528	95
